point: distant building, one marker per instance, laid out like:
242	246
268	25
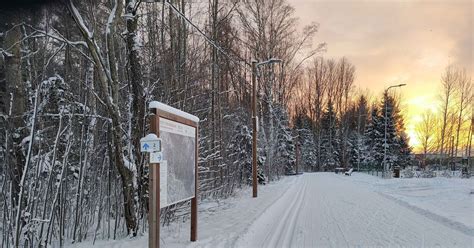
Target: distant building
432	161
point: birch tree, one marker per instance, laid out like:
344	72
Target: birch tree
463	98
425	134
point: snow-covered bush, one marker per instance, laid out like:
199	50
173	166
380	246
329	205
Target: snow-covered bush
408	173
428	174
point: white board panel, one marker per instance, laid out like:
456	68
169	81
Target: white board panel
179	152
163	184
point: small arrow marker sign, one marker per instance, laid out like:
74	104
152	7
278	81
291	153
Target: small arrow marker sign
150	143
156	157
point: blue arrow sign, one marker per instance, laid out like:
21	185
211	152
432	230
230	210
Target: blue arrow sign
150	143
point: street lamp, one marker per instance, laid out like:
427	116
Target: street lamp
385	169
255	65
358	139
270	61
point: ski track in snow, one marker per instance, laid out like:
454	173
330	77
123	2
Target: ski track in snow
329	210
313	210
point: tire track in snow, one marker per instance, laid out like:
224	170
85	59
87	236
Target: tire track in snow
440	219
395	225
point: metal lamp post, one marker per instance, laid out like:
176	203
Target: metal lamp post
255	66
385	169
358	139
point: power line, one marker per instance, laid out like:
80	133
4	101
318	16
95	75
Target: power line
213	43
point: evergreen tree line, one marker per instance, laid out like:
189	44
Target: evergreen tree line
337	128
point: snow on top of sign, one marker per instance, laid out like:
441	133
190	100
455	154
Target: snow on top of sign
149	137
171	110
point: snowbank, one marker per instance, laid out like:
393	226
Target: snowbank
220	222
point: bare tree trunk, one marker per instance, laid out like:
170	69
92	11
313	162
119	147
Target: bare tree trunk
50	180
58	190
448	81
19	204
82	161
137	95
13	102
100	202
469	142
464	88
106	82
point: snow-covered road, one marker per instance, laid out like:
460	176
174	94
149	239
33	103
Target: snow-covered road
329	210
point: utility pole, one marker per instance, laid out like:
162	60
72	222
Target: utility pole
358	139
255	66
297	152
254	128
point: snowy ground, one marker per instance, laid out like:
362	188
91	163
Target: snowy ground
440	197
329	210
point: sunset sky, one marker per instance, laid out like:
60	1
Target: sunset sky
392	42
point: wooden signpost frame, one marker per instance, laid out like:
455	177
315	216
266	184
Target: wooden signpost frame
154	178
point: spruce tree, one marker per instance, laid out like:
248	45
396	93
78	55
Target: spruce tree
374	133
404	150
398	150
286	146
329	139
240	151
404	158
307	152
389	113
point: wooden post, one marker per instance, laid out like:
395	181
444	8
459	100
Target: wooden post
297	154
194	210
254	128
154	190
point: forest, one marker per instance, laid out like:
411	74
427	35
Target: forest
76	78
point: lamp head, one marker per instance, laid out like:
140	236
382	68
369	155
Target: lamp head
270	61
274	60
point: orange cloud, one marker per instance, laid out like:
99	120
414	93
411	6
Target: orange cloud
394	42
